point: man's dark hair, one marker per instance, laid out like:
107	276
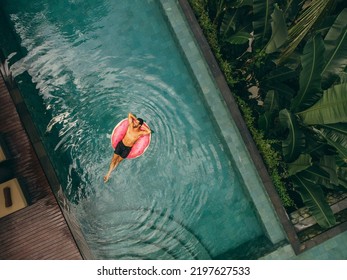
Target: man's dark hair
140	121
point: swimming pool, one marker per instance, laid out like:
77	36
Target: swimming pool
83	66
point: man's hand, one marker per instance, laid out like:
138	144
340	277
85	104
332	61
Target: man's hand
146	129
131	117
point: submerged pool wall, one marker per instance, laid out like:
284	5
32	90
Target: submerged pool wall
221	113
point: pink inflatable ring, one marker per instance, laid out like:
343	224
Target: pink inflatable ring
139	147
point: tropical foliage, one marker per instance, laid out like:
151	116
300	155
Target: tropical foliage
295	54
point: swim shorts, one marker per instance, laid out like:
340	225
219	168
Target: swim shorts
122	150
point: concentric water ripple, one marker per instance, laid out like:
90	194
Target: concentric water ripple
142	234
181	198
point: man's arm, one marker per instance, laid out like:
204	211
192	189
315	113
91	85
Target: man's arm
131	117
145	129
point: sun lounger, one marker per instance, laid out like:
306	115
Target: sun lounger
11	197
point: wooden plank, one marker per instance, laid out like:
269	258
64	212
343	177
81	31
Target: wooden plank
38	231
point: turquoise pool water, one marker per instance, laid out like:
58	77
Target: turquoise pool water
82	66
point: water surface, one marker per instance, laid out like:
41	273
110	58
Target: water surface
91	62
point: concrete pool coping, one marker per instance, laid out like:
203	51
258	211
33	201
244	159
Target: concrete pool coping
296	247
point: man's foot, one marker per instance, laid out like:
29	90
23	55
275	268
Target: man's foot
106	178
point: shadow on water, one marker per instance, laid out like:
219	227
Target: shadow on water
250	250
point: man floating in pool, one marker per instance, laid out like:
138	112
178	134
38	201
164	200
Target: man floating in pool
134	132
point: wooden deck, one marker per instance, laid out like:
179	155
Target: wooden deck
38	231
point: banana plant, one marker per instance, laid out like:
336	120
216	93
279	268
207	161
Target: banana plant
229	26
336	50
269	22
315	145
262	11
307	19
279	28
310	77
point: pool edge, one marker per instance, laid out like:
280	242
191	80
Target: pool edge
297	247
276	222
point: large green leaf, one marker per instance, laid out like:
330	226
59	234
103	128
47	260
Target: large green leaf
279	31
239	38
229	11
335	140
342	177
317	175
226	16
271	101
292	8
295	141
336	132
229	21
262	10
336	49
313	197
303	162
264	122
316	145
215	9
304	23
271	108
328	164
230	26
285	93
241	3
330	109
310	80
280	74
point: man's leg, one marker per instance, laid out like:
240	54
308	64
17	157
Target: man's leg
116	159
